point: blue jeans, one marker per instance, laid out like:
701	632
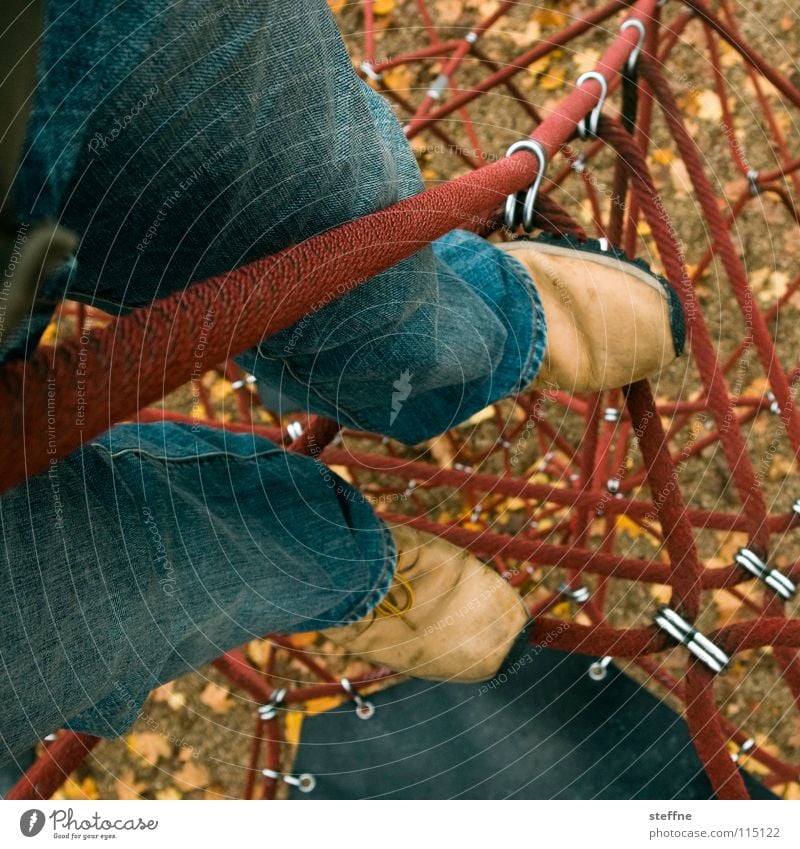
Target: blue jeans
179	142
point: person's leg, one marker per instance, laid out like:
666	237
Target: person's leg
156	549
185	190
198	139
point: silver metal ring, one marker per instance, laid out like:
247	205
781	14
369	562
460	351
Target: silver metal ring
511	218
598	671
700	646
305	782
633	58
364	708
594	115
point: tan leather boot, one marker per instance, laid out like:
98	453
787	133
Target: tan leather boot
447	617
610	320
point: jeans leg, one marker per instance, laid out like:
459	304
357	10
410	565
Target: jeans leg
157	548
219	136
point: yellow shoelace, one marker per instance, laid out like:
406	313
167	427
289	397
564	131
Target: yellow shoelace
387	607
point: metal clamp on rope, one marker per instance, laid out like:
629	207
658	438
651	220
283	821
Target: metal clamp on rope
599	669
611	414
294	429
512	217
752	179
747	746
245	381
370	72
633	58
364	709
584	130
775	580
701	647
578	595
439	85
305	782
270	709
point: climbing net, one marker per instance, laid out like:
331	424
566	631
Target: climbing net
659	522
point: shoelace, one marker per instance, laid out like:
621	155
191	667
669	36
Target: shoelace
387	607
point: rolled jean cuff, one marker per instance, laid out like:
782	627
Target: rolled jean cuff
447	333
384	552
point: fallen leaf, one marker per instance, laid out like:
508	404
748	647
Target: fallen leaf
322	704
217	698
383	7
709	107
553	80
293	723
663	155
397	78
149	746
528	36
167	693
679	176
259	651
74	790
449	11
127	787
169	793
215	793
192	776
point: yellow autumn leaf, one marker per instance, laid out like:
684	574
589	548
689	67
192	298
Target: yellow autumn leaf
75	790
397	78
127	787
383	7
540	65
336	6
661	593
217	698
167	694
292	726
192	776
553	80
550	18
343	472
628	526
528	36
50	335
586	60
323	704
169	794
259	652
449	11
709	107
149	746
300	641
663	155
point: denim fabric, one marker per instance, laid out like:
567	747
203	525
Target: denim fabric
158	548
180	139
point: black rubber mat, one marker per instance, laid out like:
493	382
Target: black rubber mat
543	731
